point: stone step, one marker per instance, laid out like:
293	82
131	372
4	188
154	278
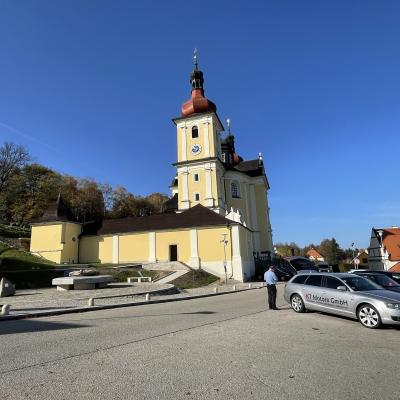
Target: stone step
166	266
172	277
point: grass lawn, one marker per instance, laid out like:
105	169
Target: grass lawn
13	259
195	278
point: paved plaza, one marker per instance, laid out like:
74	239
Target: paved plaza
225	347
43	301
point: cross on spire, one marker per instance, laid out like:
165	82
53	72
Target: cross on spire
196	65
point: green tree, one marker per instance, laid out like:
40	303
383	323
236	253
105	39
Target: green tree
29	192
288	249
331	250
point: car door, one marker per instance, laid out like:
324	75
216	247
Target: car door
312	292
338	301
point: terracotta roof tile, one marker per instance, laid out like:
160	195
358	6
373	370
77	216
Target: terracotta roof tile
314	253
391	241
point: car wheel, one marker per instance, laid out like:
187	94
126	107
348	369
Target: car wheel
369	316
297	303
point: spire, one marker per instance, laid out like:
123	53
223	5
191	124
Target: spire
196	77
198	103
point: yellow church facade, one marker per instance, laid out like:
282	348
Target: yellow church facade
216	218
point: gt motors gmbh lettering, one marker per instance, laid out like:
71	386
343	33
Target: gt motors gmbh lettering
326	300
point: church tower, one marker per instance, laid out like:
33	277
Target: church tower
199	170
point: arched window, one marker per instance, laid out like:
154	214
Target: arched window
195	132
235	192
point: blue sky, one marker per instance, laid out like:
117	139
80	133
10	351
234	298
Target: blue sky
90	88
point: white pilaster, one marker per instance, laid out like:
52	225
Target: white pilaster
185	190
194	252
237	262
245	188
115	249
253	207
207	139
152	247
209	200
183	149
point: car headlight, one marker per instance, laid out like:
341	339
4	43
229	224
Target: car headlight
395	306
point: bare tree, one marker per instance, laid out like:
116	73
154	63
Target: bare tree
12	158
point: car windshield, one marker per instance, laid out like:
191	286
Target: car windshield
384	281
360	284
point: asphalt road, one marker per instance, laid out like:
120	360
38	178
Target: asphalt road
225	347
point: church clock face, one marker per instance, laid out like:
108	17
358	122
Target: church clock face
196	149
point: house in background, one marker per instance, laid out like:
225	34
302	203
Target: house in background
314	255
384	249
362	258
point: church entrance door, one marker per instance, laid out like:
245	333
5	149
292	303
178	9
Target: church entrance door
173	252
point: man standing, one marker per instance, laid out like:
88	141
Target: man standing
270	279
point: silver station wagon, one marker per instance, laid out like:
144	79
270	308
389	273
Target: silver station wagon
348	295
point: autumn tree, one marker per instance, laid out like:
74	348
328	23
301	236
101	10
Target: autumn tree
12	158
156	200
84	197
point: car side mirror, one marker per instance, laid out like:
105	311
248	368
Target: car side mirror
342	288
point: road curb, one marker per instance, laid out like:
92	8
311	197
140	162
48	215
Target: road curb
108	307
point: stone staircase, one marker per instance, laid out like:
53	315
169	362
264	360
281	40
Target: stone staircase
171	277
166	266
175	269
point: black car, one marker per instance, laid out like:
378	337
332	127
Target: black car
393	275
301	264
381	279
284	271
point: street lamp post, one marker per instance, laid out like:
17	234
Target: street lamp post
353	250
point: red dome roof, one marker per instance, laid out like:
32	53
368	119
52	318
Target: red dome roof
198	104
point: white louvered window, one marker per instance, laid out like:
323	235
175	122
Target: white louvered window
235	192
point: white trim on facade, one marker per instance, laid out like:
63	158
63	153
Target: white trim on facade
152	247
207	138
183	149
115	249
194	251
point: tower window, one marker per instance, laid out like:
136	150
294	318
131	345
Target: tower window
235	192
197	197
195	132
196	177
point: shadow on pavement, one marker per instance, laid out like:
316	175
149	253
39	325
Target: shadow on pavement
152	315
40	308
23	326
197	312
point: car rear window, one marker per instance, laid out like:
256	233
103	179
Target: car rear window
314	280
300	279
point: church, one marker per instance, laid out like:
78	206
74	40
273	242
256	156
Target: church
217	218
